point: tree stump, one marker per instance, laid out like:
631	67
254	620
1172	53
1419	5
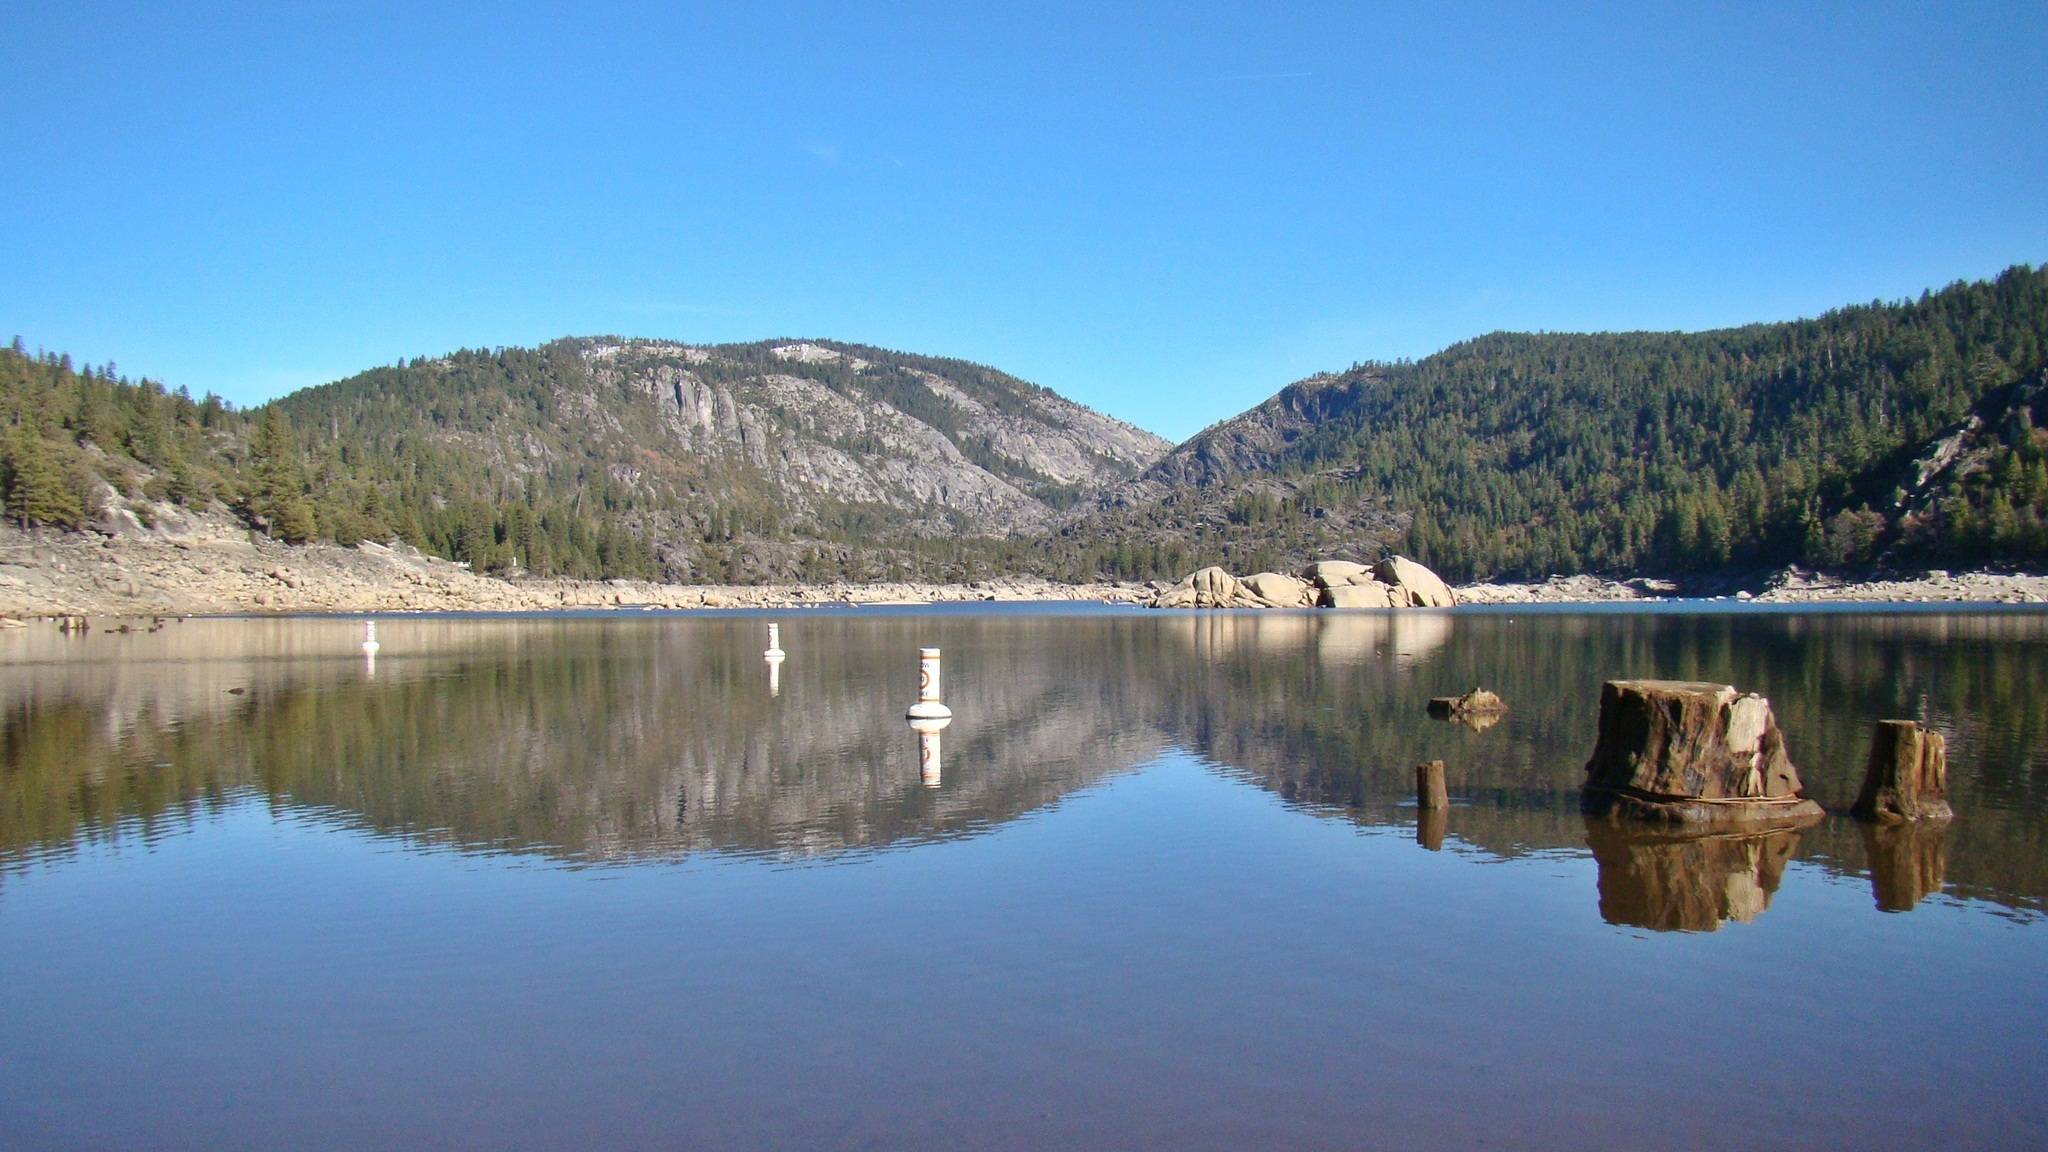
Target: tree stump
1429	786
1689	753
1907	777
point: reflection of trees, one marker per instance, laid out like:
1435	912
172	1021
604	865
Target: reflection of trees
652	736
1342	732
624	739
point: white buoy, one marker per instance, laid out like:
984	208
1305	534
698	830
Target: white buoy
928	706
928	730
370	644
774	651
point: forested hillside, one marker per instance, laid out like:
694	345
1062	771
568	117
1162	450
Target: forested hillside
594	458
1906	431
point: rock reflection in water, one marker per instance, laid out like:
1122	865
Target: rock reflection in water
1906	862
1677	882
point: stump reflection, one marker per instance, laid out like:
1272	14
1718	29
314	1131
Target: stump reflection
1906	862
1675	882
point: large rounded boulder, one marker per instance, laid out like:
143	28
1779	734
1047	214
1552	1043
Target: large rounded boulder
1414	585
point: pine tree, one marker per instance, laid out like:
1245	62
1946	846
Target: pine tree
37	489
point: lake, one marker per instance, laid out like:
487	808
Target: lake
618	882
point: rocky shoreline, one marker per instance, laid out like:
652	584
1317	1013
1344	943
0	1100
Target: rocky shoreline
205	566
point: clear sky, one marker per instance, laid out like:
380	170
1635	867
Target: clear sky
1166	212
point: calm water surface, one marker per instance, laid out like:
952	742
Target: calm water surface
571	883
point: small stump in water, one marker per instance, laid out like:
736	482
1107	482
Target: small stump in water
1690	753
1430	794
1474	703
1907	777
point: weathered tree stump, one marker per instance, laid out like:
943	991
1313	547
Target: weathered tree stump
1907	777
1691	753
1429	786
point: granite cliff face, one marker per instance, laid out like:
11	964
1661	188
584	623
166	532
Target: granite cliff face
946	444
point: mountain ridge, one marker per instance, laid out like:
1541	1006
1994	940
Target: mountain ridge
1902	432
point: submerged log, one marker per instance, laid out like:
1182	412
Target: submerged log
1907	777
1683	752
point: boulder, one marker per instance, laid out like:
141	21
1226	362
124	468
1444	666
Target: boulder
1280	591
1335	573
1211	587
1691	753
1414	586
1907	776
1370	594
1677	882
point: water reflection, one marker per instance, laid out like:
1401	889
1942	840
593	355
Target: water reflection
657	737
1906	861
929	772
1687	882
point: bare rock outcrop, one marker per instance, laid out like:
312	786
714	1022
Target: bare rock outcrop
1371	594
1210	587
1396	583
1414	585
1281	591
1683	752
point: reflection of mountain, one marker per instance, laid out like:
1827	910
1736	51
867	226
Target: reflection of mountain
657	736
620	739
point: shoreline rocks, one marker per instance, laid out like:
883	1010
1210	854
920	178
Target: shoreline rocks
1396	582
207	564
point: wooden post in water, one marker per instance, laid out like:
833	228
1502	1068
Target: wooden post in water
1429	786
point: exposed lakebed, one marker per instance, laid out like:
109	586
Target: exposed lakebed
569	882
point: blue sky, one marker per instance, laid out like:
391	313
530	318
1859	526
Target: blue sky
1166	212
